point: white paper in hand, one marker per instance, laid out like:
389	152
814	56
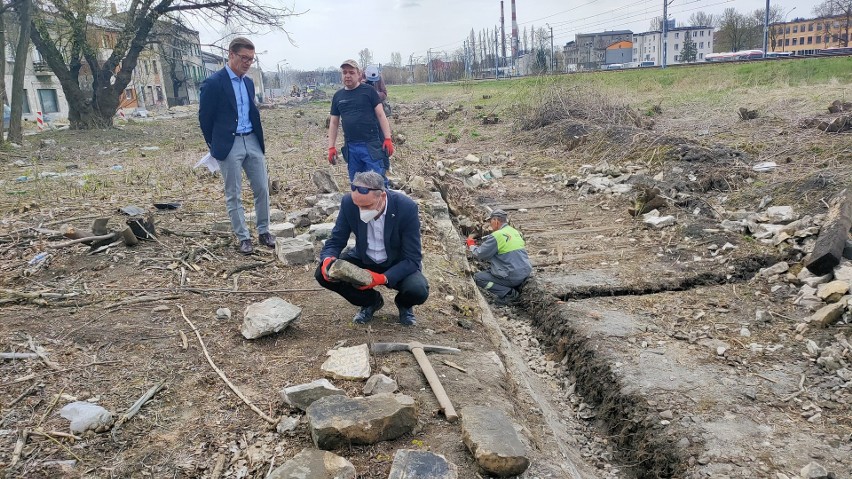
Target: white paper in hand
211	163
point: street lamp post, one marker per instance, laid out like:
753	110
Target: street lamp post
784	23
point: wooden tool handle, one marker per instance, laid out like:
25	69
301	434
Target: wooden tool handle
435	384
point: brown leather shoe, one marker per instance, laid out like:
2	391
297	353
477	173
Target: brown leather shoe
246	247
267	239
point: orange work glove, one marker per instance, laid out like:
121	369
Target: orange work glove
378	280
470	242
388	146
332	155
326	263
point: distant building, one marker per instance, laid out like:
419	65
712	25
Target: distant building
648	46
42	91
180	54
620	52
588	50
804	36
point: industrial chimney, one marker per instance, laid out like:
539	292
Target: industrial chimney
514	31
502	29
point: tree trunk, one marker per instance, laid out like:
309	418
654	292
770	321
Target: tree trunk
4	100
24	10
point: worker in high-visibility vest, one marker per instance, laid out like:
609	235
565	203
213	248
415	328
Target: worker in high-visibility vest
510	264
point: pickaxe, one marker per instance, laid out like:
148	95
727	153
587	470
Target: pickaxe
419	351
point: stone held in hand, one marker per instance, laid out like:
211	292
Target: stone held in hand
343	270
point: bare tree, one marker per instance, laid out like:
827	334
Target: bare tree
24	11
111	69
365	57
703	19
837	8
396	59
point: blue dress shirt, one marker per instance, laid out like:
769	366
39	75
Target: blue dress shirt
243	122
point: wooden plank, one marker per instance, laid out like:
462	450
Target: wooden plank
828	250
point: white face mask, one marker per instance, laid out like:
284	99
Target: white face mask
368	215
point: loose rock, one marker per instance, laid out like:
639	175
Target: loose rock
337	421
490	436
314	464
303	395
413	464
378	384
223	313
268	316
348	363
294	251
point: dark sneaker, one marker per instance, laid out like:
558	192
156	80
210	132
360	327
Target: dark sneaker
266	239
366	314
508	299
406	317
246	247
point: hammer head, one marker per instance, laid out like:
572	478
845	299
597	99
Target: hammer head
379	348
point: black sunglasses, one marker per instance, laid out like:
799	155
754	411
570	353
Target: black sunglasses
364	189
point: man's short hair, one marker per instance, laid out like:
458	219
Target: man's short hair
351	63
240	42
370	179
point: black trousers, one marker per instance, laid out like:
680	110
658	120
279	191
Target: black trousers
412	290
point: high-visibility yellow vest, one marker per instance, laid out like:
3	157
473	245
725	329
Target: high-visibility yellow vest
508	240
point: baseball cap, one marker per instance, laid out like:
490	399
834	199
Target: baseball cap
498	213
351	63
372	73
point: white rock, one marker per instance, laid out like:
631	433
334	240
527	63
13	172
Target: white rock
776	268
471	159
843	271
223	313
780	214
348	363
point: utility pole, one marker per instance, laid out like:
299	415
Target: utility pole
665	31
552	58
766	30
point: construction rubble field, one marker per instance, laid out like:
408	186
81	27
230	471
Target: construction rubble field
683	319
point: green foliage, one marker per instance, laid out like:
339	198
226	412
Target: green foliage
689	52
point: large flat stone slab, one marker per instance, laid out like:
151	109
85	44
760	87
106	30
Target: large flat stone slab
348	363
314	464
268	317
414	464
490	436
337	421
303	395
283	230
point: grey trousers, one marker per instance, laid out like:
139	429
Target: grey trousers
247	156
500	287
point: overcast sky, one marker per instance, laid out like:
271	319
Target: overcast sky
331	31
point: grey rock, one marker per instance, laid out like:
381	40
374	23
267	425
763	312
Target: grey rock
378	384
287	424
223	313
780	214
303	395
294	251
343	270
314	464
299	217
490	436
777	268
337	421
413	464
274	215
814	471
268	316
283	230
734	226
321	231
221	227
667	414
843	271
324	181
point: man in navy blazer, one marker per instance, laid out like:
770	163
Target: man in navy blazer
231	126
387	243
